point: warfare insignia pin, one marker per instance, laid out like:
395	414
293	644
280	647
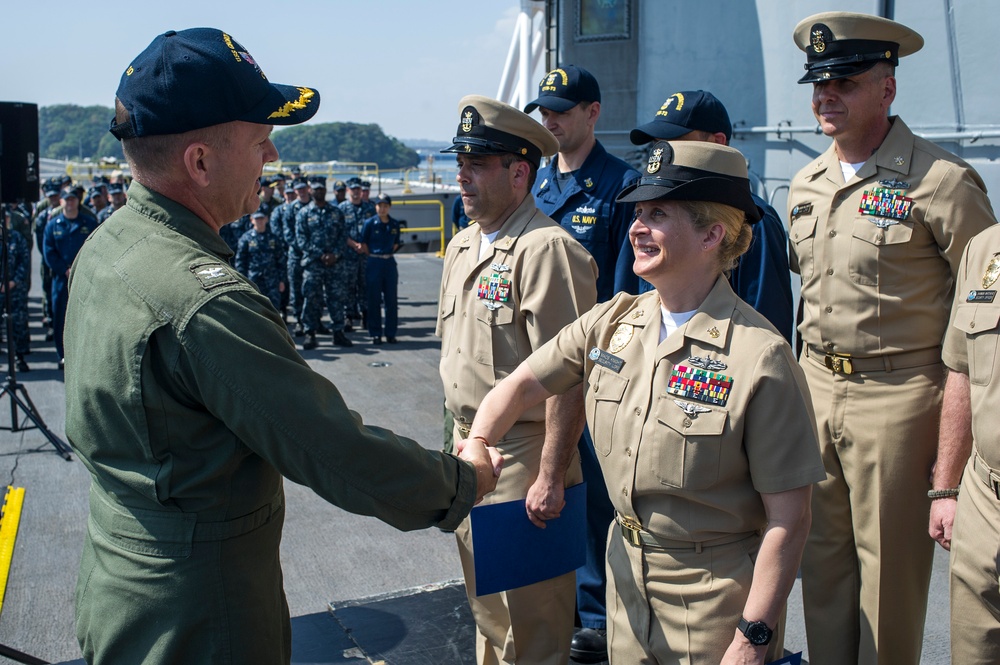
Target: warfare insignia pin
894	184
500	267
690	409
882	222
707	363
655	157
992	271
621	338
713	332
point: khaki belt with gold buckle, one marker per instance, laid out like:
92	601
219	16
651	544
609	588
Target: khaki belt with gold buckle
636	536
846	364
986	474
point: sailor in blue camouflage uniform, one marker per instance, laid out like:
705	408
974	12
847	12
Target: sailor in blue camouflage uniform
18	270
322	242
578	189
356	213
285	218
42	212
260	256
64	236
380	238
232	233
116	194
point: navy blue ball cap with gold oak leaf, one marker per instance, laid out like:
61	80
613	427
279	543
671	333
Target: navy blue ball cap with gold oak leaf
694	171
842	44
202	77
489	127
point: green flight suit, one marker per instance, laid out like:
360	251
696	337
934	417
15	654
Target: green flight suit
187	401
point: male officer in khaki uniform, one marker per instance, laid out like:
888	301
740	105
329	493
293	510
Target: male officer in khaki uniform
877	228
172	360
511	282
970	442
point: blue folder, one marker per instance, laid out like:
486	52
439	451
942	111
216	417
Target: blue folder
512	552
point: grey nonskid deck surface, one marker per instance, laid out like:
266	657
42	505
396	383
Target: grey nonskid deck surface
357	589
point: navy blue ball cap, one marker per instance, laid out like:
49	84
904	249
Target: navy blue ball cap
354	183
564	88
383	198
50	188
684	112
202	77
694	171
300	183
340	185
116	189
69	193
317	181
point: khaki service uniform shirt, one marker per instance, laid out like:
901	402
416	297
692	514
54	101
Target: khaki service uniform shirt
882	285
542	280
187	401
683	467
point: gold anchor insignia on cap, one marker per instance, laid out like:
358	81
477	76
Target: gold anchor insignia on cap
713	332
621	338
818	41
467	121
992	271
655	158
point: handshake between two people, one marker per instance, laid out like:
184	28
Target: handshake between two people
487	462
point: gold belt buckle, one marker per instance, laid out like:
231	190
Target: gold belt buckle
841	364
630	529
464	431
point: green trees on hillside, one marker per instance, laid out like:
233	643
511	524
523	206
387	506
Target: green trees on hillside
67	131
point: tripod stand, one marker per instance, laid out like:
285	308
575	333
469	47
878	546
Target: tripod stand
17	393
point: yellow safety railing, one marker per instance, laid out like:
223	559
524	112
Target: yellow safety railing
425	229
10	518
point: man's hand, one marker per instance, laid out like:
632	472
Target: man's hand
741	652
942	519
545	501
487	461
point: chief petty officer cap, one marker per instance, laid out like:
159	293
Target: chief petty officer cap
564	88
694	171
317	181
201	77
841	44
489	127
685	112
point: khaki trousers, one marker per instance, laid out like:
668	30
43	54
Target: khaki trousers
867	562
975	587
530	625
667	607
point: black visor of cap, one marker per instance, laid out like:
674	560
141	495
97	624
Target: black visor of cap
489	141
847	57
683	183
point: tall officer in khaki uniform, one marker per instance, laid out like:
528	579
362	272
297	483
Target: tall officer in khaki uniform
970	442
185	397
512	281
877	227
701	421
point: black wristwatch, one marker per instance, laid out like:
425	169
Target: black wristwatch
756	632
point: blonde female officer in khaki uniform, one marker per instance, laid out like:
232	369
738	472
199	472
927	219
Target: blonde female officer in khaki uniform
701	421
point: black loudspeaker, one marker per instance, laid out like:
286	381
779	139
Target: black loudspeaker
18	152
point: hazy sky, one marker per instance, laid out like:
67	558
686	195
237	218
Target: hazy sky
402	64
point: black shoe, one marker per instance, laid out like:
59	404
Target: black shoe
310	342
62	365
22	365
376	340
340	339
391	340
323	330
348	327
298	331
589	645
49	335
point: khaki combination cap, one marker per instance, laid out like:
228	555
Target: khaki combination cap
489	127
841	44
695	171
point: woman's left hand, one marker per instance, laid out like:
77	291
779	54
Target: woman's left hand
741	652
